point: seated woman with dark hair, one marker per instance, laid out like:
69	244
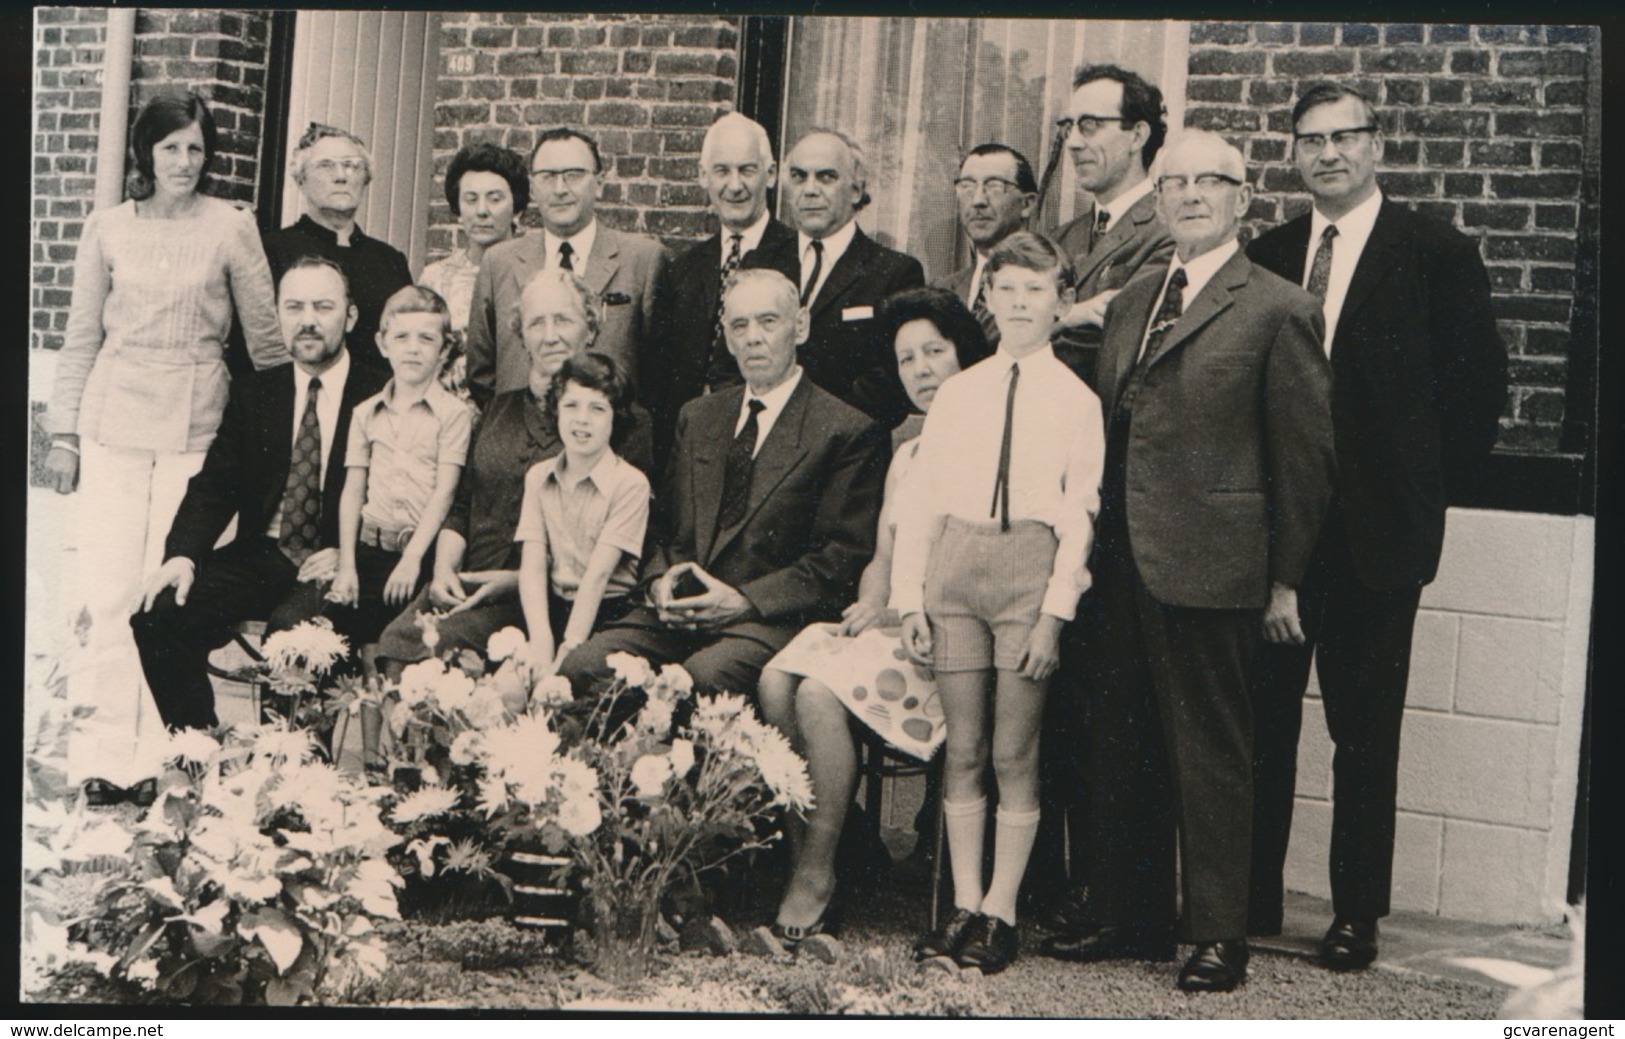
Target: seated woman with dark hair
855	667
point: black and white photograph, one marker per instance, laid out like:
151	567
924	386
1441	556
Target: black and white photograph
810	514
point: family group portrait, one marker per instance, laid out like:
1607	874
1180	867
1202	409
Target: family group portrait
809	515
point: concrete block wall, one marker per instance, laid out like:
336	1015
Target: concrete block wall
1490	751
1486	128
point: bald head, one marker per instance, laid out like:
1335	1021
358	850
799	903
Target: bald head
736	166
1202	193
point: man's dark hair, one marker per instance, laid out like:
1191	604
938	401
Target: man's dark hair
314	260
946	311
595	371
1024	169
1142	103
488	158
568	133
1329	94
159	118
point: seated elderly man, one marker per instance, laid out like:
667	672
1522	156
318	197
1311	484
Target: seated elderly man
767	514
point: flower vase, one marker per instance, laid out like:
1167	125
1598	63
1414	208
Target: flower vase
623	936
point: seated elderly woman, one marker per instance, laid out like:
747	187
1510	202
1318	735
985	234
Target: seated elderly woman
831	672
476	563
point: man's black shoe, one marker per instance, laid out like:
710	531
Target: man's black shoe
1215	967
1111	943
1350	944
990	945
948	939
1070	912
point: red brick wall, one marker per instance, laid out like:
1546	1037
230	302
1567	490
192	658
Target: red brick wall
1486	128
646	86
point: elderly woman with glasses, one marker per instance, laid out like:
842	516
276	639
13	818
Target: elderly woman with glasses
333	170
475	583
140	389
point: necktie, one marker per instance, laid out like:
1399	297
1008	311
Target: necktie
1173	305
721	369
737	470
984	316
565	252
1320	271
302	496
817	268
1001	482
1102	218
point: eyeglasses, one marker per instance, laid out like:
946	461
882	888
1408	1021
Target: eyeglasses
328	167
1315	143
572	178
1088	125
1174	183
996	188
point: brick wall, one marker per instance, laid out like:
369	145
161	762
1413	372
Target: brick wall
645	86
1485	128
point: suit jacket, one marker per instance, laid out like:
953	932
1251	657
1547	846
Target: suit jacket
245	472
1419	383
376	271
1135	243
841	353
809	526
1229	462
677	370
960	284
625	271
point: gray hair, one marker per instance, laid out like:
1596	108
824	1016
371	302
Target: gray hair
586	298
1190	136
774	279
318	132
744	123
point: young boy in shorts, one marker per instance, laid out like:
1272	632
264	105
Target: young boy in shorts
1010	463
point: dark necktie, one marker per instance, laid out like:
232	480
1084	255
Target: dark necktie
302	496
565	252
1320	271
1001	482
817	268
984	316
1173	305
737	470
721	368
1102	218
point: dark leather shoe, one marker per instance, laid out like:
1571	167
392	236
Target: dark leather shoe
990	945
948	939
1070	912
1350	944
1215	966
1111	943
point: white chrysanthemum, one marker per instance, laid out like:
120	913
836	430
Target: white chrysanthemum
682	757
424	803
418	681
465	749
493	796
674	681
310	645
649	774
576	779
504	644
553	690
580	816
734	727
429	625
525	740
632	670
280	742
193	745
506	687
656	716
314	789
453	690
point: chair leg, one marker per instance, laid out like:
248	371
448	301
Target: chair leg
937	864
872	773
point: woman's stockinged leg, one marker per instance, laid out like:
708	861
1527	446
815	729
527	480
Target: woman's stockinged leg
1017	711
832	765
964	705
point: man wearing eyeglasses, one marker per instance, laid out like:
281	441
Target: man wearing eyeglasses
1419	382
1113	129
622	268
1218	468
333	170
995	192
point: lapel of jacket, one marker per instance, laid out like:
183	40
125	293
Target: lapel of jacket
277	419
1214	299
529	256
604	260
777	252
959	283
1139	214
1131	313
711	436
707	273
779	454
847	270
1376	259
1286	252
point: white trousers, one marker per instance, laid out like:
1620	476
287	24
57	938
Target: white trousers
127	499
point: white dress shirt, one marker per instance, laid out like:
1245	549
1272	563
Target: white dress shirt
773	402
835	247
1353	231
327	417
1057	453
1198	273
1115	209
580	247
749	239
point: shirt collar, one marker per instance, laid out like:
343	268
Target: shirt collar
332	379
1356	223
835	245
436	397
773	400
749	238
580	245
328	235
1202	269
598	474
1004	360
1124	202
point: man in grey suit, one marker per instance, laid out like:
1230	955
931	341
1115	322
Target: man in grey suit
566	178
995	192
1115	126
1218	470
